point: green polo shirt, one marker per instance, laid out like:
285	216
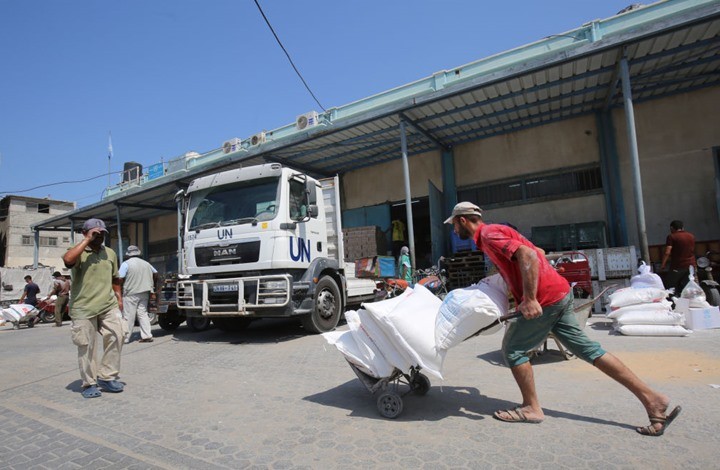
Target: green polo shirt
92	276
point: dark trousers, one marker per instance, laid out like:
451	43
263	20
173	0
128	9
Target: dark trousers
678	279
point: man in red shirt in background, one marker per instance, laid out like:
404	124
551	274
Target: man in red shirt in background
546	302
680	250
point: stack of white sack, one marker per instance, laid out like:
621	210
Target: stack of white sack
16	312
645	312
397	333
466	311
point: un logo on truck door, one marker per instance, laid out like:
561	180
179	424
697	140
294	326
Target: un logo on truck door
303	249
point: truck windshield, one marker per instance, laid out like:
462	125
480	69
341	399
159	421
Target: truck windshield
237	203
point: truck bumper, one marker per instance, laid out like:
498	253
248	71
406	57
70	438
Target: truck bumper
242	296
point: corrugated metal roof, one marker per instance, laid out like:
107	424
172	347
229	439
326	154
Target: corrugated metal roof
671	47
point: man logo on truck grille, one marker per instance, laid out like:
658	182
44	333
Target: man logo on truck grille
303	250
225	252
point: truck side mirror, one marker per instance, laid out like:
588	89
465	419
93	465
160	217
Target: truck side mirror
313	211
179	195
311	191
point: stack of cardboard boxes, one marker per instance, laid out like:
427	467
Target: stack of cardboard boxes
363	242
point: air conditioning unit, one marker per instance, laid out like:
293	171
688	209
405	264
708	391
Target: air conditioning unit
306	120
258	138
232	145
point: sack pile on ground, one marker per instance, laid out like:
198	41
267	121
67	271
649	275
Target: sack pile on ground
645	312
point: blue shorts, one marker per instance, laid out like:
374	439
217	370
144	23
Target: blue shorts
522	335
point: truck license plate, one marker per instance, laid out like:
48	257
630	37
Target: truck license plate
225	288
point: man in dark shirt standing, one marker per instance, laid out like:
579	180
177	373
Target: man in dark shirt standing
680	251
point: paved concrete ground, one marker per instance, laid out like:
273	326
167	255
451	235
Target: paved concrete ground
272	397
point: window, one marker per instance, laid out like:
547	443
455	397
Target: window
66	239
532	188
38	208
48	241
27	240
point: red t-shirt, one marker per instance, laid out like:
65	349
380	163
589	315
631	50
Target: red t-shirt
682	254
499	243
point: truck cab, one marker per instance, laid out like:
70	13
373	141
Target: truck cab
255	244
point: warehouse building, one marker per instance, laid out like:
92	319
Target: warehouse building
598	136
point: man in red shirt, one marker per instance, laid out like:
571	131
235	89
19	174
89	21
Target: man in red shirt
680	250
545	300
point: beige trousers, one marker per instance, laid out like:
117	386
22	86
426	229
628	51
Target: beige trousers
136	305
84	335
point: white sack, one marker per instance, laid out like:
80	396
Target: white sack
368	347
651	317
464	312
411	328
646	279
630	296
652	330
395	355
496	288
662	306
17	312
344	341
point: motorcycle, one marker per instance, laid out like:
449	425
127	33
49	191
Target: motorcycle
434	279
46	307
707	281
388	288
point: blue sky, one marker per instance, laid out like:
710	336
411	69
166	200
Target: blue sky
171	76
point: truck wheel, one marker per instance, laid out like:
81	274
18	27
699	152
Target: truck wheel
198	323
169	322
231	324
327	307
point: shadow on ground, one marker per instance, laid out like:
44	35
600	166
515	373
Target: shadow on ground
439	403
262	331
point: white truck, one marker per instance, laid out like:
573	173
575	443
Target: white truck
265	241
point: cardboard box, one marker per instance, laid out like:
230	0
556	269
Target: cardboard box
702	318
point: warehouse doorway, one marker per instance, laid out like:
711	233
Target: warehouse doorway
421	228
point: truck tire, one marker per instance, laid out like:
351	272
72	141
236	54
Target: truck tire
46	317
231	324
327	307
170	321
198	323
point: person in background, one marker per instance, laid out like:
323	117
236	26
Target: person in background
398	236
138	283
680	251
95	305
546	302
30	292
61	288
29	296
404	265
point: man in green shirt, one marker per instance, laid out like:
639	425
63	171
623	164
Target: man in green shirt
95	305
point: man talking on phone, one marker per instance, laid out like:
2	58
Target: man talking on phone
95	305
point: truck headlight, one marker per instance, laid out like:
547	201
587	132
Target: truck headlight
275	285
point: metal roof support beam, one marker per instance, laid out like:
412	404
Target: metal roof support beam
424	132
408	202
634	158
119	233
612	184
36	248
449	186
613	86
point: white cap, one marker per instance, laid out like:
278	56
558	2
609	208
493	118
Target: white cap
464	208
